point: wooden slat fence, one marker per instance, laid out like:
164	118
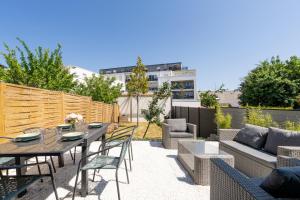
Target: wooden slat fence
24	107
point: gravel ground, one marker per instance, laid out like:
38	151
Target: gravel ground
156	175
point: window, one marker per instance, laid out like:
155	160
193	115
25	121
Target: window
183	94
152	78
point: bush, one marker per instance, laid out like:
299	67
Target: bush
257	117
223	121
293	126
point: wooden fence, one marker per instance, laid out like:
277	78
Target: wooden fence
23	107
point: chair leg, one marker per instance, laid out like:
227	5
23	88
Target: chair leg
126	171
129	155
71	155
39	169
75	186
53	166
74	156
54	187
130	146
94	175
117	182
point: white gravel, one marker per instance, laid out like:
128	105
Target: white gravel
156	175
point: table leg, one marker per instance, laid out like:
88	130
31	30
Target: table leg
84	173
19	172
103	146
61	160
20	161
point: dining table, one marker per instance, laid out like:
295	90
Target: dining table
51	144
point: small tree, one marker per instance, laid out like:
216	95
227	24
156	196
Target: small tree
40	68
138	83
209	99
222	121
155	110
100	89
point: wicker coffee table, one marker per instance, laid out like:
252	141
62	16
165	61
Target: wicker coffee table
195	157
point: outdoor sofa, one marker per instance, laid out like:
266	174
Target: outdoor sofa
228	183
176	129
255	149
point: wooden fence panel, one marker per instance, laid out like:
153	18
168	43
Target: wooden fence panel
23	107
76	104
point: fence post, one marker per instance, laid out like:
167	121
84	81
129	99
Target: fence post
63	114
2	113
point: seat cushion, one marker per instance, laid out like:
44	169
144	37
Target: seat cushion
253	136
283	182
102	162
180	135
279	137
177	125
254	154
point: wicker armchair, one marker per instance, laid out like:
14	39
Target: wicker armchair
170	139
228	183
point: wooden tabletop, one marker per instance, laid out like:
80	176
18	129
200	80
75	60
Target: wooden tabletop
50	145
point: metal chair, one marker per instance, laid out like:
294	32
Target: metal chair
11	186
112	140
106	162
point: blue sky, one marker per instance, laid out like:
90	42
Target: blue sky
223	40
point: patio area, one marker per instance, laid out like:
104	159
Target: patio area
156	174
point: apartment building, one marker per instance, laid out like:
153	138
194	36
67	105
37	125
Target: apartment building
182	79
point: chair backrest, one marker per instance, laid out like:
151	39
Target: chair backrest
125	143
122	130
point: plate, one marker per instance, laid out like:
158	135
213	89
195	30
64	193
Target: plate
28	136
72	136
65	126
95	125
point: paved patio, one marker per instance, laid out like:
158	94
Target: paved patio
156	175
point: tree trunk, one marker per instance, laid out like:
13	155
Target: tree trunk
137	110
130	98
146	129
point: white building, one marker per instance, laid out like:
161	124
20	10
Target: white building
182	80
80	73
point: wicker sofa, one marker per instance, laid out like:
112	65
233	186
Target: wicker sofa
228	183
250	161
170	137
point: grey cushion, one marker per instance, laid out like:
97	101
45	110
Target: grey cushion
177	124
283	182
279	137
253	136
254	154
180	135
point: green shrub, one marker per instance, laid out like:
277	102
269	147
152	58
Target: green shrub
223	121
257	117
293	126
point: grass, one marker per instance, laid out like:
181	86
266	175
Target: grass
154	131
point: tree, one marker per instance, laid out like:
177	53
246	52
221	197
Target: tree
138	83
209	98
100	89
272	83
40	68
156	109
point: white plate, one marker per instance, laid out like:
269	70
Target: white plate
95	124
72	135
29	135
